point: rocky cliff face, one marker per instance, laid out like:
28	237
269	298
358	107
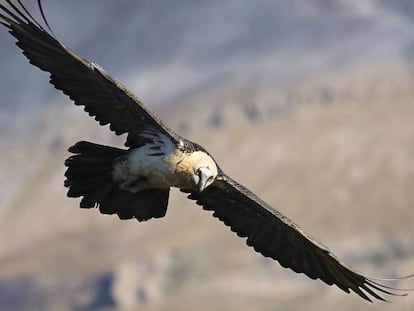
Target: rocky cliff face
340	168
169	52
331	119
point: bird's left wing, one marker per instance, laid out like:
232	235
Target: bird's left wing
274	235
86	83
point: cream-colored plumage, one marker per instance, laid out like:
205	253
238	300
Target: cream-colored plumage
160	165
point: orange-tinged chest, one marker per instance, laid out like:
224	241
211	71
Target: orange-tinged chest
140	170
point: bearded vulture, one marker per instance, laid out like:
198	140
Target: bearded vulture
135	182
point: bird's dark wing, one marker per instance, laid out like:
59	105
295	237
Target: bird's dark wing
86	83
274	235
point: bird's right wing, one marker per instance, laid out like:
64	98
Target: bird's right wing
274	235
84	82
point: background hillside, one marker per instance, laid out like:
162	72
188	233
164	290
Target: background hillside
307	103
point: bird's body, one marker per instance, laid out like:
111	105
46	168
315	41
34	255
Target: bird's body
153	165
160	164
135	182
118	181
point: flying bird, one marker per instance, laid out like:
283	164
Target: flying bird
135	182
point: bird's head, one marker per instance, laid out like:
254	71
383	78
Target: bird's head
204	170
203	177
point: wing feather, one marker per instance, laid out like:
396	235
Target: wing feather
84	82
274	235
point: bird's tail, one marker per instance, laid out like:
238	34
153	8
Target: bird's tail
89	175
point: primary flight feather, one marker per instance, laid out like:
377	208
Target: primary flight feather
135	182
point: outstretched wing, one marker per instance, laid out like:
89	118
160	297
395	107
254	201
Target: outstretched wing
274	235
86	83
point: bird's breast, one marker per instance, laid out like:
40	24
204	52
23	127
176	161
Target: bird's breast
147	167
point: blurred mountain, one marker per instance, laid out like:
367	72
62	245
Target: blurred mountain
169	51
307	103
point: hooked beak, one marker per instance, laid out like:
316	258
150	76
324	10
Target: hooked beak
203	177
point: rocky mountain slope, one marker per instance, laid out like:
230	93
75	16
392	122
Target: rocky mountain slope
310	106
341	169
